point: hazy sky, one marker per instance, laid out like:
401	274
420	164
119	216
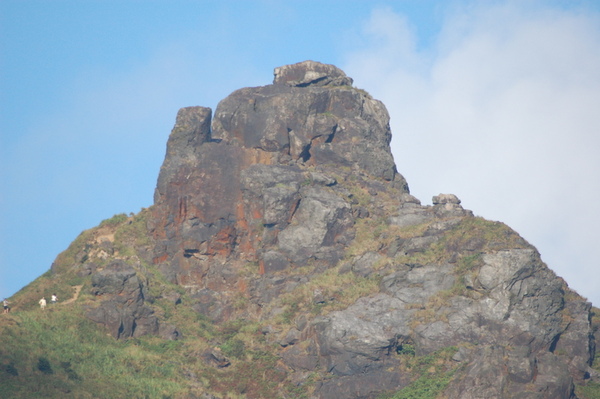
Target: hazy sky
497	102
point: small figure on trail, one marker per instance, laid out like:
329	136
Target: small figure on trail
54	299
43	303
6	307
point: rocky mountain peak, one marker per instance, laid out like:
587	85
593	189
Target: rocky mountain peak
284	215
270	158
309	73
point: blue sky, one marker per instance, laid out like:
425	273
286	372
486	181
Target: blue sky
494	101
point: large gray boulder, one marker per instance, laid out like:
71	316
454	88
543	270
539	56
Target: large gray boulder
312	124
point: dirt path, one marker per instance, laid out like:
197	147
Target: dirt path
75	295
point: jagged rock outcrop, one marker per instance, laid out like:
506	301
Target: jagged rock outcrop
295	181
252	187
124	313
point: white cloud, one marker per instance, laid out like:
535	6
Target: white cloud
502	111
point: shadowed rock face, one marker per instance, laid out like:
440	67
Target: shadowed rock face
300	174
124	312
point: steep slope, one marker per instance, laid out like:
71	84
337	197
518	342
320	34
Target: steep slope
286	257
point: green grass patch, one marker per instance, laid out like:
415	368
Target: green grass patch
132	234
591	390
58	351
432	373
44	286
114	221
338	290
75	254
481	235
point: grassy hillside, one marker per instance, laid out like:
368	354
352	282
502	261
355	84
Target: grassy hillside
57	353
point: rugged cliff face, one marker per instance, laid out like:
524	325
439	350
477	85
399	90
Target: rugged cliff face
285	211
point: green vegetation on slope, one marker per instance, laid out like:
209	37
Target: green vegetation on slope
431	373
58	352
591	390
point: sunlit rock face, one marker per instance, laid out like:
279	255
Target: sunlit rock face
258	183
291	191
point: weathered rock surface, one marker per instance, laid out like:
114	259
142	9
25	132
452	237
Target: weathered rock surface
124	312
292	182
